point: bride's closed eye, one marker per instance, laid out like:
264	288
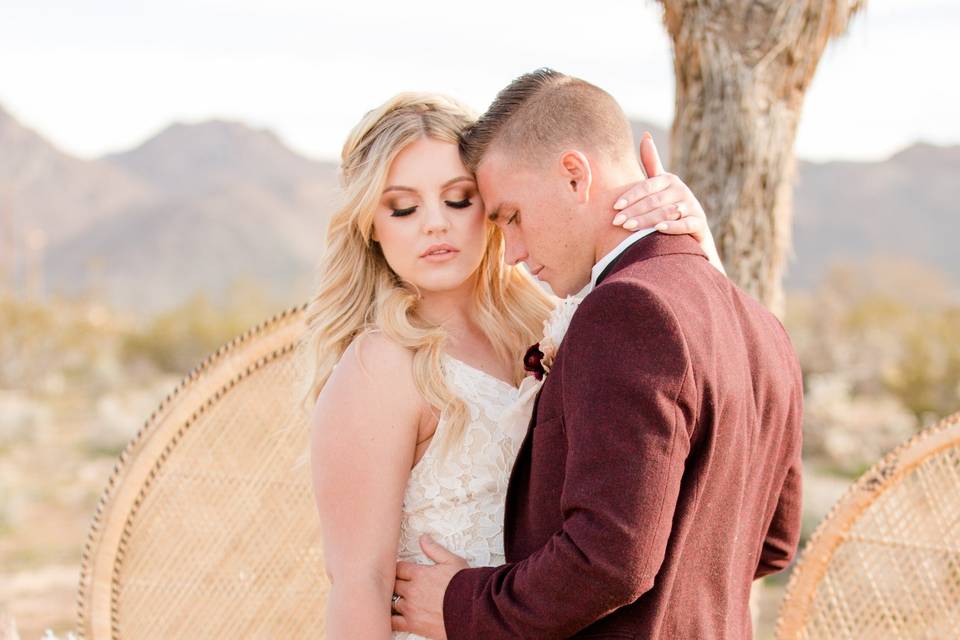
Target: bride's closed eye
399	213
459	204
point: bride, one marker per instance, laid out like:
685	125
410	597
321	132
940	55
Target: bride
418	395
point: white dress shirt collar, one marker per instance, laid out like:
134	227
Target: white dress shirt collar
610	257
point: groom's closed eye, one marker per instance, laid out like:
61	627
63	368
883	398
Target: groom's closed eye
499	216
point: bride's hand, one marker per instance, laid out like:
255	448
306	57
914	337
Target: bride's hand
664	202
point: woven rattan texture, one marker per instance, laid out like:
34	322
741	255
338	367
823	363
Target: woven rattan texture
206	529
885	563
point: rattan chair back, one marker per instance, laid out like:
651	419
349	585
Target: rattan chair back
207	527
885	563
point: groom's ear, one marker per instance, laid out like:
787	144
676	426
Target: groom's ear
575	168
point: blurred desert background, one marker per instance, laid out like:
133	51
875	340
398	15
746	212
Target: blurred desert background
120	272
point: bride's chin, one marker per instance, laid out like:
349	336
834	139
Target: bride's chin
441	284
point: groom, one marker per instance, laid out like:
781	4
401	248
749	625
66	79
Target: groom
660	474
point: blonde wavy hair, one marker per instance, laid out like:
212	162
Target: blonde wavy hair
358	292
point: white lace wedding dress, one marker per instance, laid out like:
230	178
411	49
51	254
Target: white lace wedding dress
459	499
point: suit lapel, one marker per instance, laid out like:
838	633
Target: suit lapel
657	244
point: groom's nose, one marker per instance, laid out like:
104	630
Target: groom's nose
515	252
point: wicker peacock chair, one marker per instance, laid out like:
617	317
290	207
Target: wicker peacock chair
207	528
885	563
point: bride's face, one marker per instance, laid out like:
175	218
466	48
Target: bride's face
430	220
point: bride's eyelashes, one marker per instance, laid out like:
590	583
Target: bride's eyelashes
399	213
459	204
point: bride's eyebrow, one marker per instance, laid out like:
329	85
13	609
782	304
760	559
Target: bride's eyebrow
399	188
452	181
456	180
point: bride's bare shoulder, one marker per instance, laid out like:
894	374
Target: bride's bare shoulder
374	356
368	407
374	367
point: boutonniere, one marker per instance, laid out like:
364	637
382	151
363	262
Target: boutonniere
533	362
539	358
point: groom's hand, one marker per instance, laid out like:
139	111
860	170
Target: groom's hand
421	587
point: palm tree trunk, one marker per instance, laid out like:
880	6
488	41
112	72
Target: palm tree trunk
742	68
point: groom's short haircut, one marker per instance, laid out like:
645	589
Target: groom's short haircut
546	111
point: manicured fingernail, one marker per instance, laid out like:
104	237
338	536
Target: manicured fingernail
631	224
617	221
661	226
646	134
620	204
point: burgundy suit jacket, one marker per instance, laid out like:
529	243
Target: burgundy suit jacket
660	474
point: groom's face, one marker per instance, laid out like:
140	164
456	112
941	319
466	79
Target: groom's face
542	225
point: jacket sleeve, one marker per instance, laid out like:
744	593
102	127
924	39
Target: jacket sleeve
629	402
783	534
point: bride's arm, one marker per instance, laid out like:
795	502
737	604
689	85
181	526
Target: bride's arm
363	439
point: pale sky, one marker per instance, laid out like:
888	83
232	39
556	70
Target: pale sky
96	76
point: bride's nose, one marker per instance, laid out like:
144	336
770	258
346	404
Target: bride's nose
434	221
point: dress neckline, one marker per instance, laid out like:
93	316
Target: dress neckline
500	381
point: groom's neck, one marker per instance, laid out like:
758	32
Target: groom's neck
612	185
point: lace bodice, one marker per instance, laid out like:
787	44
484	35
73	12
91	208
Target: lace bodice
459	499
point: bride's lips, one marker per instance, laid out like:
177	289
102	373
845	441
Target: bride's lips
439	253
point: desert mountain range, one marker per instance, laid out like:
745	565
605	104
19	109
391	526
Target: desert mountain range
199	206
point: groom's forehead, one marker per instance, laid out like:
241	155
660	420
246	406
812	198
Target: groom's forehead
504	184
490	181
496	165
